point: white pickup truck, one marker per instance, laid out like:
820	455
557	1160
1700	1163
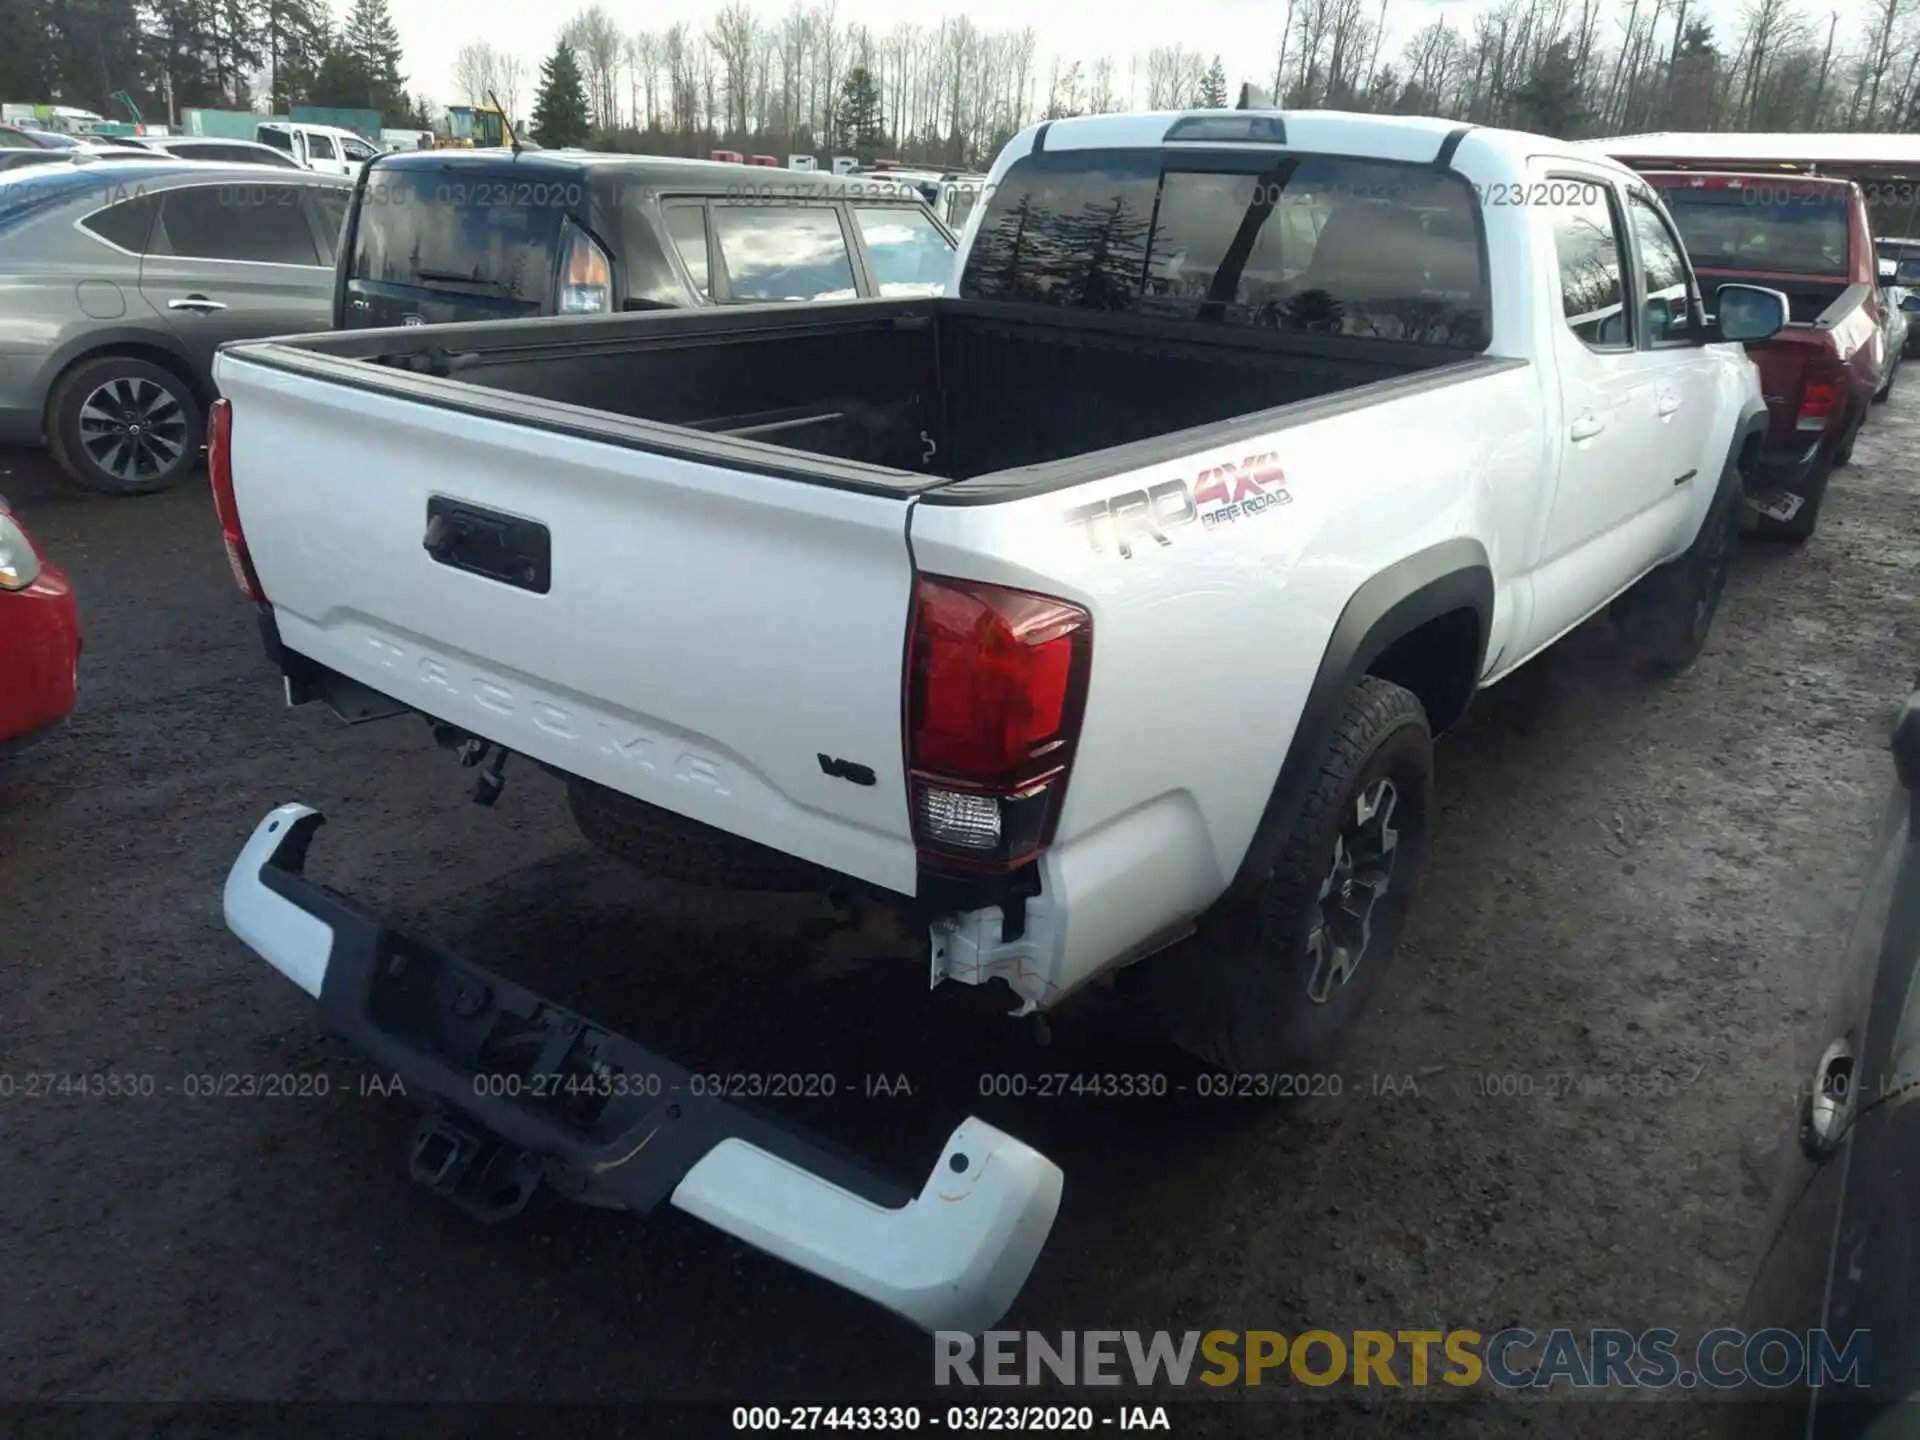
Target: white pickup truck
1098	615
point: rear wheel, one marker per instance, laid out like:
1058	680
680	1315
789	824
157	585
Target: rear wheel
1279	979
1892	375
125	426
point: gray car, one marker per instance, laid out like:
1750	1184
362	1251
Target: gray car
118	282
213	147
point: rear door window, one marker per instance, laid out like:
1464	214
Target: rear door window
1303	243
278	139
320	147
265	224
457	230
777	253
1591	250
910	256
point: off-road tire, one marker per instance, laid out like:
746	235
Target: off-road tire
63	424
1666	617
1235	993
660	843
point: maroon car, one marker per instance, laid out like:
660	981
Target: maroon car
1809	238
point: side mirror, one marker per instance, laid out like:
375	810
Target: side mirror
1889	271
1750	313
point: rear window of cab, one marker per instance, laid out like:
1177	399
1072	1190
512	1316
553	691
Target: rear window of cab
1305	243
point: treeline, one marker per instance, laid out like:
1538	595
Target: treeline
952	92
222	54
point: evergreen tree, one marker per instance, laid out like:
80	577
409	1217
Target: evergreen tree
339	79
1213	88
1551	102
296	36
860	122
373	42
560	107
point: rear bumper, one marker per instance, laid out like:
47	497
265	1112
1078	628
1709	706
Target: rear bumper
1787	469
525	1094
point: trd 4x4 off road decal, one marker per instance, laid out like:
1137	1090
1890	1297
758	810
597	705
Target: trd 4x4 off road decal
1218	496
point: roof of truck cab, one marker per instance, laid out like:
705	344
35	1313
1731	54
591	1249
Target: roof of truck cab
666	170
1408	138
1778	151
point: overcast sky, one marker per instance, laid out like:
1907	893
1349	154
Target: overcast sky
1244	33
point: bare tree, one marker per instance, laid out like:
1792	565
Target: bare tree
1100	97
732	36
510	80
1173	74
476	70
601	48
1888	16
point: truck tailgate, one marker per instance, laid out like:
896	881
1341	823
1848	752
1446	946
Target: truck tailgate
707	639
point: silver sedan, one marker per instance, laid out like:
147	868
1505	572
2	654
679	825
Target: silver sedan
118	282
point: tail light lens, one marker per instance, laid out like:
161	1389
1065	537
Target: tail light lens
1819	401
586	277
220	470
996	688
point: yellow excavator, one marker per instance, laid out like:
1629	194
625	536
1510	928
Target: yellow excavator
482	127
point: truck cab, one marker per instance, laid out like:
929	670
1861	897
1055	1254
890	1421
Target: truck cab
325	149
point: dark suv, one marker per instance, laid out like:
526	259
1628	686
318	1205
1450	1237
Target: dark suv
436	236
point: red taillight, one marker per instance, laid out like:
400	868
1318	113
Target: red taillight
220	470
1819	399
996	686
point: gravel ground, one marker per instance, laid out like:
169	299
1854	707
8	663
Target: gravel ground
1563	1110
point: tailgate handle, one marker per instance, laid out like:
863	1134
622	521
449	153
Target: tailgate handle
484	542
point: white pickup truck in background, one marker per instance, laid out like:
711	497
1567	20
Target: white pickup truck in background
1098	615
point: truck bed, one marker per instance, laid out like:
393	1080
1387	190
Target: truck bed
942	388
673	554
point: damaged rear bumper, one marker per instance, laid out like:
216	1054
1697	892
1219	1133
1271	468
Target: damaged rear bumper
526	1094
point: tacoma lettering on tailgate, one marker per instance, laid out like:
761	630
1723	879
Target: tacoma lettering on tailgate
620	738
1219	496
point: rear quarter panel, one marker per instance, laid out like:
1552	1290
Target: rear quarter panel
1205	647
